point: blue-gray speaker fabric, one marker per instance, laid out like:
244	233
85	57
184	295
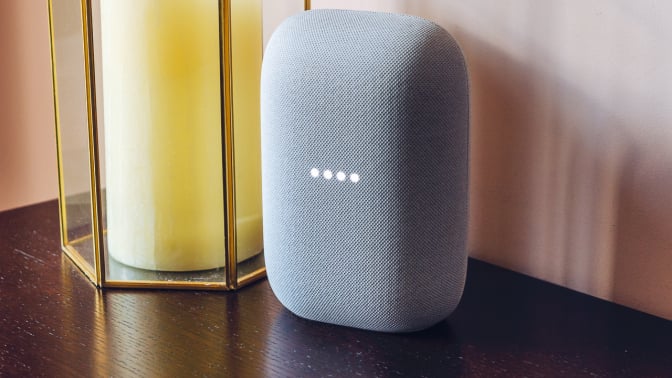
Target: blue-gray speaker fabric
384	96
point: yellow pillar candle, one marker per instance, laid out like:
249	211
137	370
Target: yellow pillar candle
162	122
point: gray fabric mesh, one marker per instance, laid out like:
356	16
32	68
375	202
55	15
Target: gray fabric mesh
384	96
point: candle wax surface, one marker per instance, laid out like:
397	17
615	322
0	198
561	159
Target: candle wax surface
162	122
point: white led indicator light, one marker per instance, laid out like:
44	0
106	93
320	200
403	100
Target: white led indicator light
328	174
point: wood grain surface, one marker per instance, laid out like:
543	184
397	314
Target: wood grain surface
53	322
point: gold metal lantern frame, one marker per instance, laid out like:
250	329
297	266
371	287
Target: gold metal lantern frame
98	201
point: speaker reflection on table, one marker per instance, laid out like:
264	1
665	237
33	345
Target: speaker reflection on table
365	129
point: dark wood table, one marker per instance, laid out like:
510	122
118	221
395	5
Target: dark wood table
53	322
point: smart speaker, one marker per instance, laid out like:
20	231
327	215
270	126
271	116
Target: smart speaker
365	128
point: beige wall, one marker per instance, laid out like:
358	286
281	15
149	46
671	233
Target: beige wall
571	133
27	144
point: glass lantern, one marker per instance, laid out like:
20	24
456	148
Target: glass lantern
157	124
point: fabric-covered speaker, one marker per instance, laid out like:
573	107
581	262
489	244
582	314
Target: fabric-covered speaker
365	128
